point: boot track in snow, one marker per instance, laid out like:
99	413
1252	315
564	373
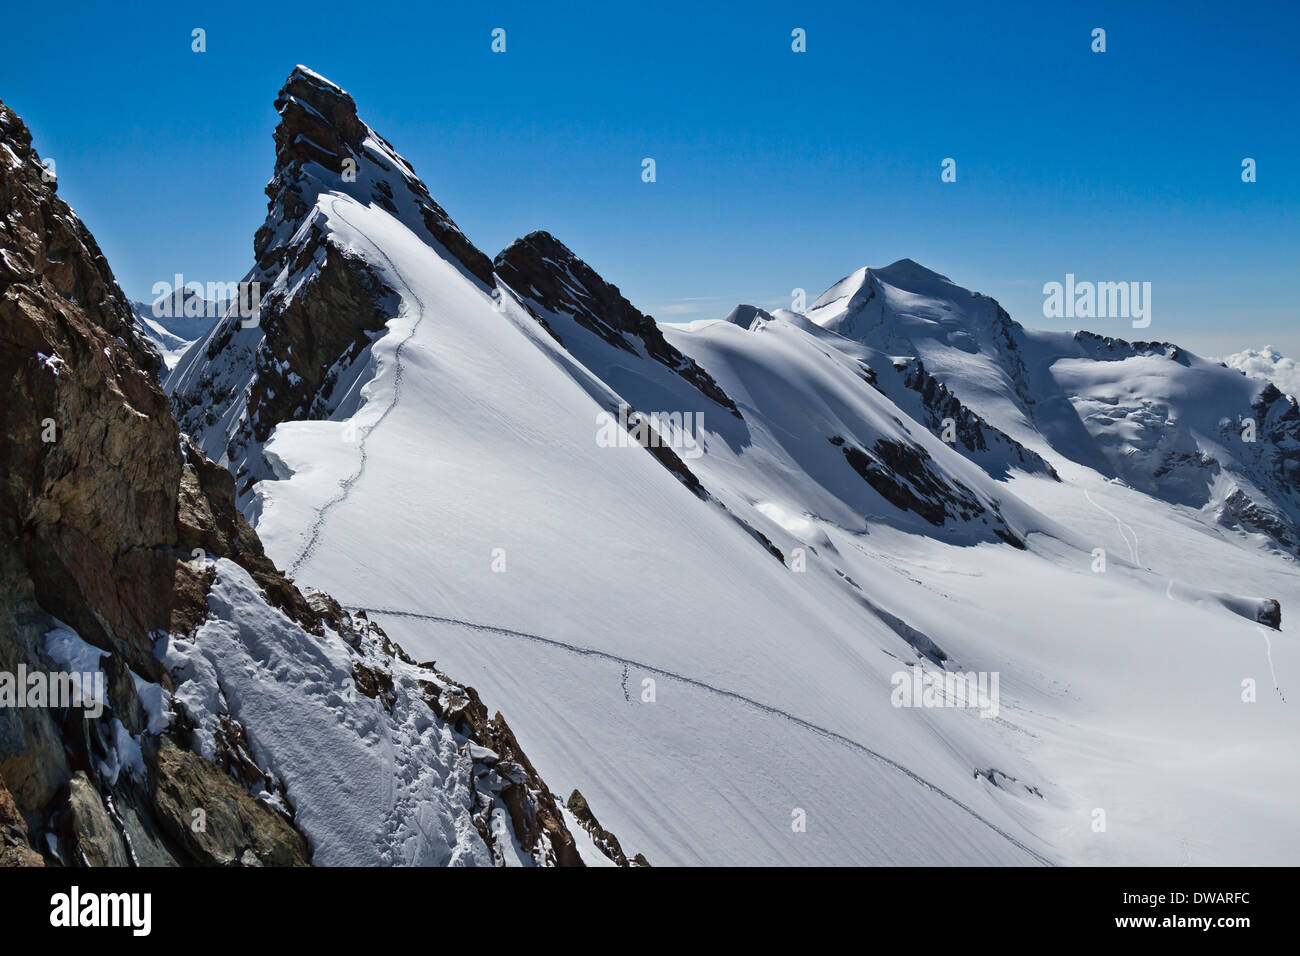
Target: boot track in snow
710	688
345	486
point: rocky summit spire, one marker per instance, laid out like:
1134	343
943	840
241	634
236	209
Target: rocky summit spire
321	302
322	145
318	122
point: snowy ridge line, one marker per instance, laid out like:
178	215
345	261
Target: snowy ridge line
759	705
345	486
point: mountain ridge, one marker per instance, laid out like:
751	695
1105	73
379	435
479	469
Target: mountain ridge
901	487
125	563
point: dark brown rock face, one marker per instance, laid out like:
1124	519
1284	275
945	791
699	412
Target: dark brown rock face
91	837
101	504
230	823
543	271
312	334
605	841
90	460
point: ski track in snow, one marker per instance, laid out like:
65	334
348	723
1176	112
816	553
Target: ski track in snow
1124	529
345	486
694	682
1268	652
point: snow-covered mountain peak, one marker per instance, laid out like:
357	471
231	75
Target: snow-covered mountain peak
1164	420
322	298
905	272
322	146
903	300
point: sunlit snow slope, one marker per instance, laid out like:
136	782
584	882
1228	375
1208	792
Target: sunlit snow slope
719	699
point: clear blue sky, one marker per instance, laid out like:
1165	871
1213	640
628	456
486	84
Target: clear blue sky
775	169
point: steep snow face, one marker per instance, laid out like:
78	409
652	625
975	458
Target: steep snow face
307	348
1188	431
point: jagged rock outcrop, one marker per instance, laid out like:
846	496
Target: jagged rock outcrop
90	457
504	776
605	841
905	476
115	530
88	831
319	129
320	305
551	280
976	437
236	828
1270	614
1108	348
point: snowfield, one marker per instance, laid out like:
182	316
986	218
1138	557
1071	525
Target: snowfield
605	551
771	690
718	671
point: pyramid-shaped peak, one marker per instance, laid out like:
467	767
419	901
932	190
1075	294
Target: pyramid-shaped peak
322	146
862	286
908	270
541	243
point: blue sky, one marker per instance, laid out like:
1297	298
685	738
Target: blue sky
775	169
